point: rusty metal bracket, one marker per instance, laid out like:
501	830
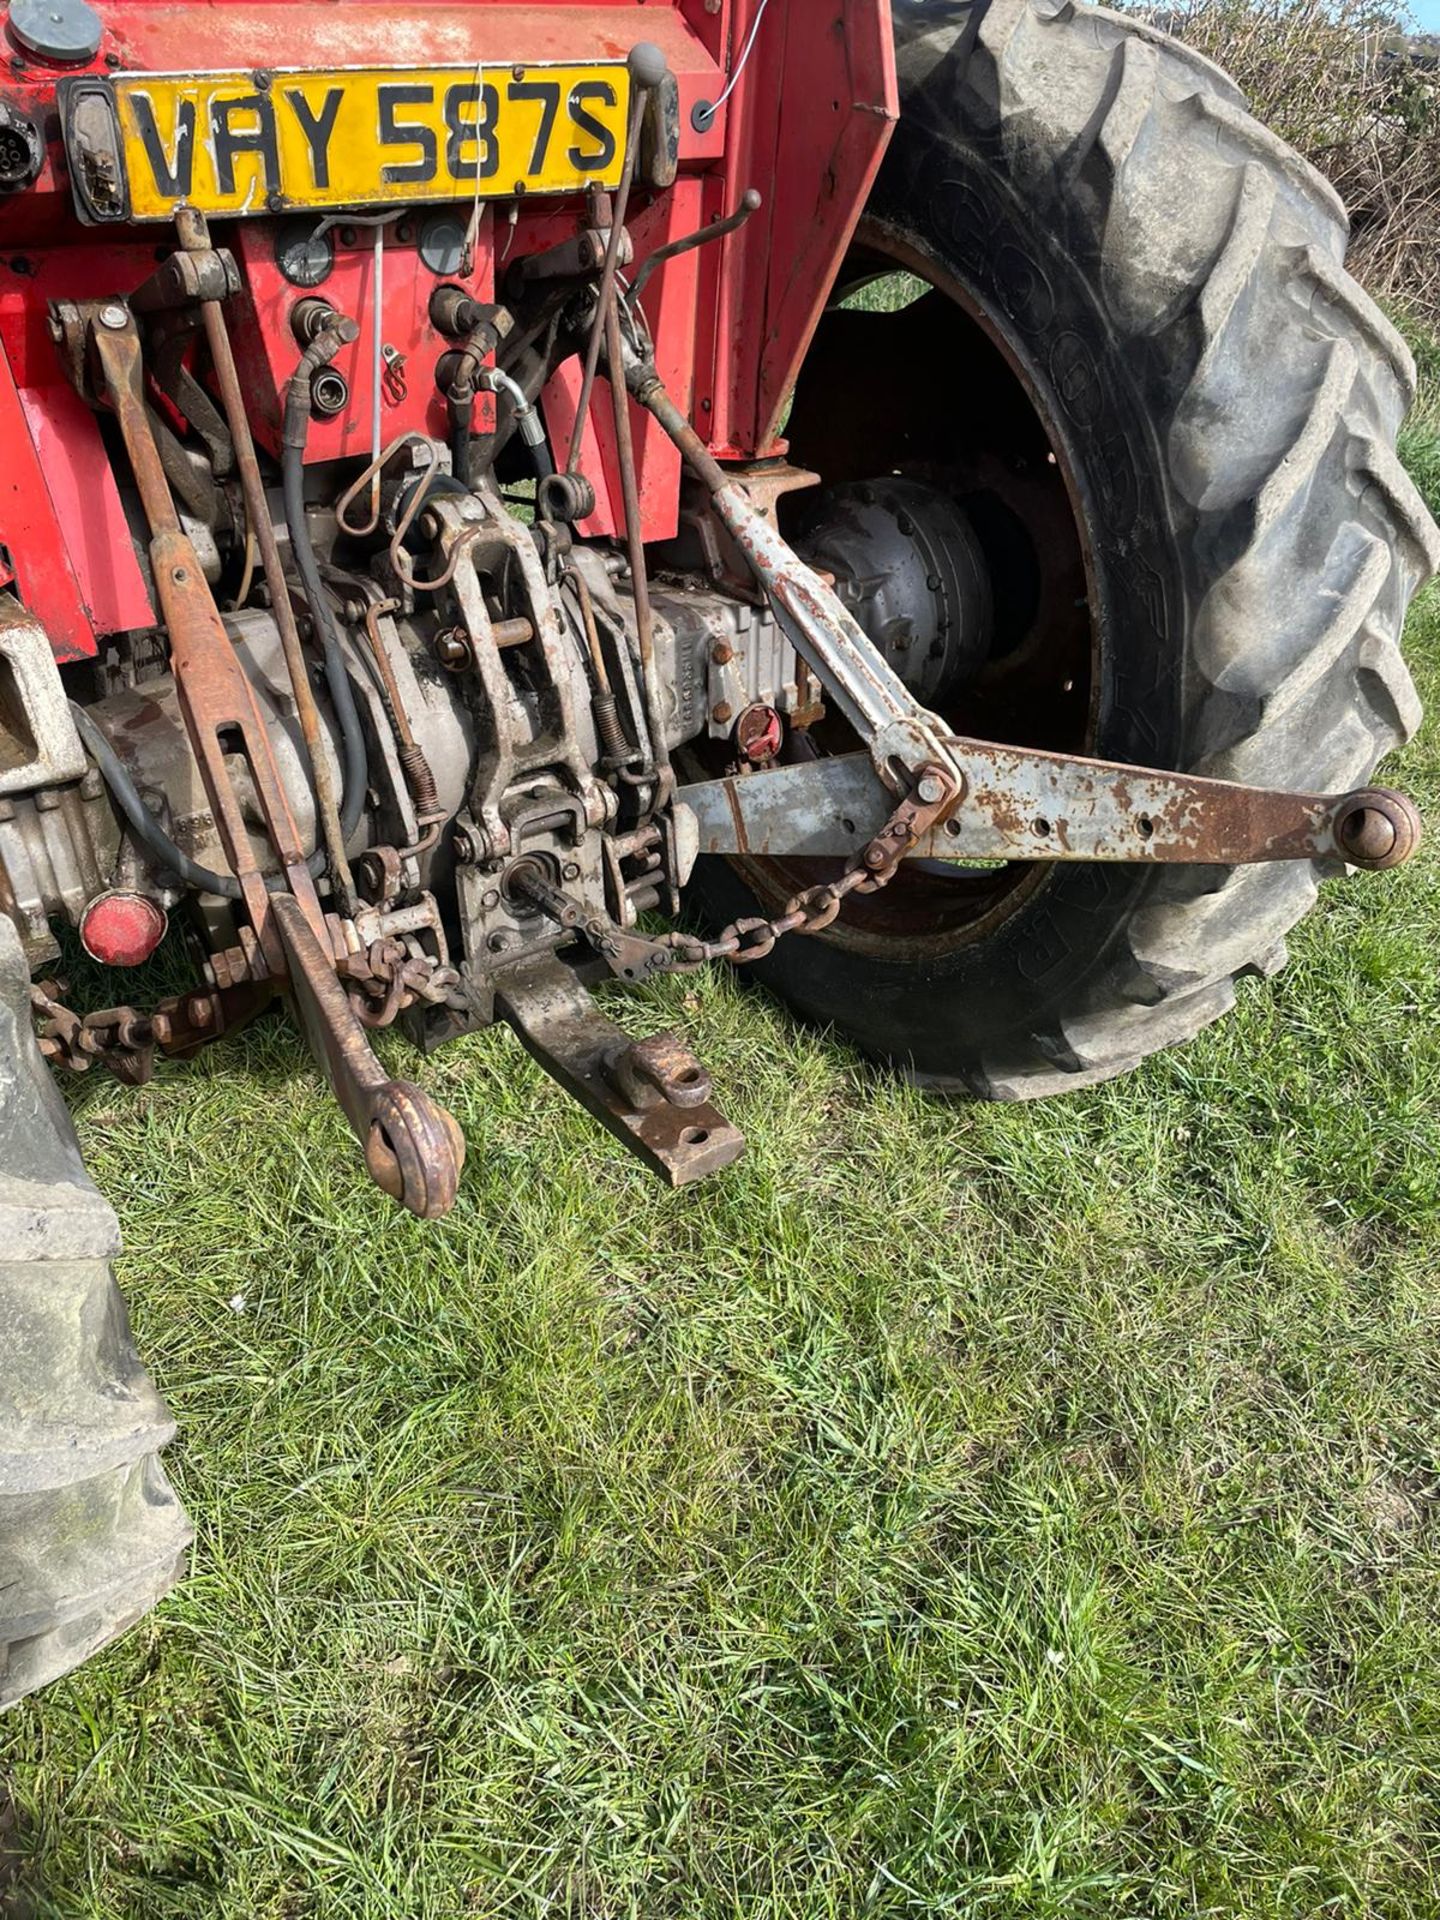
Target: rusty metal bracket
1022	804
414	1149
216	699
651	1094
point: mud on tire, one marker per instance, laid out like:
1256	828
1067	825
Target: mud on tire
1169	275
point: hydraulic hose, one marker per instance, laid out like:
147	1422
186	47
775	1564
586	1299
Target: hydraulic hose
356	777
462	412
529	425
148	830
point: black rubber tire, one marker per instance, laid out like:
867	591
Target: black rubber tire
1169	275
91	1534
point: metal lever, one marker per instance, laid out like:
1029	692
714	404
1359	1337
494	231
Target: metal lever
647	68
414	1149
750	202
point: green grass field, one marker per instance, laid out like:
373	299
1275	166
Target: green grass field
964	1512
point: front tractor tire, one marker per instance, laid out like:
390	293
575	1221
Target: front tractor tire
1098	226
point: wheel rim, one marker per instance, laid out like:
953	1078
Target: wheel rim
977	425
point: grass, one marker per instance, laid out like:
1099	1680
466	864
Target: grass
965	1512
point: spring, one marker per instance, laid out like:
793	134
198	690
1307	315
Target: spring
612	734
421	782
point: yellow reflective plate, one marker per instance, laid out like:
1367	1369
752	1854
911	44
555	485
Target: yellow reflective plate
242	143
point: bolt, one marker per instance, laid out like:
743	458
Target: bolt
721	712
933	582
113	315
462	845
162	1029
490	899
201	1009
722	653
930	788
570	870
180	576
499	939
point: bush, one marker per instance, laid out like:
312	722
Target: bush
1335	79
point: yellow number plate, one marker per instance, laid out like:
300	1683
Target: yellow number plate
242	143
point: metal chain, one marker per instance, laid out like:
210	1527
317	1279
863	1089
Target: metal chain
382	982
810	911
935	792
636	956
386	979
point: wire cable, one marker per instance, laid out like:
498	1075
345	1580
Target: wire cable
703	118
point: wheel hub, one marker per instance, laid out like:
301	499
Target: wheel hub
908	566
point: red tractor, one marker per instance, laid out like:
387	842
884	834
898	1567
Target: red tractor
509	496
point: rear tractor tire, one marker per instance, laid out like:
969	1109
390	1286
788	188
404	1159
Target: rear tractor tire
1136	362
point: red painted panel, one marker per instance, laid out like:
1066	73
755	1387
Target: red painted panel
54	475
266	348
86	505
